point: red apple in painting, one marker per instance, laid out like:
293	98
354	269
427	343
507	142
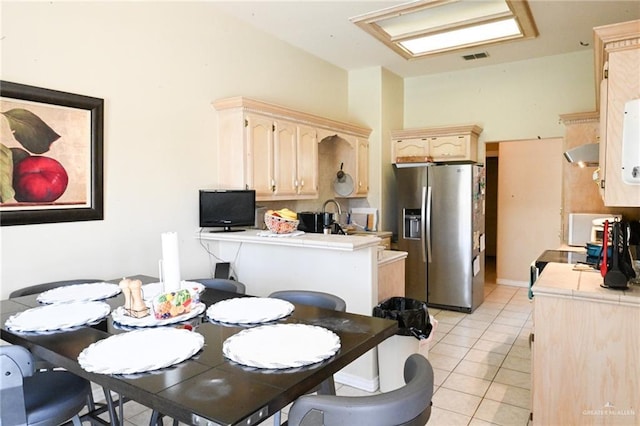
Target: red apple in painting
39	179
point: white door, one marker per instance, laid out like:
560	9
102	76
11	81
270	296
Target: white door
529	205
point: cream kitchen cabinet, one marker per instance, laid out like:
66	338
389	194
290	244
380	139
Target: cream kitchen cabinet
274	150
585	350
617	53
436	144
362	168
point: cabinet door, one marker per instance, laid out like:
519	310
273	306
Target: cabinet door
260	154
362	168
285	158
307	161
623	85
444	148
410	150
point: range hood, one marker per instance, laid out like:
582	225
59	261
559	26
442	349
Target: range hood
584	155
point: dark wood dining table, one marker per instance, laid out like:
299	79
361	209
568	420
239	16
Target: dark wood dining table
207	389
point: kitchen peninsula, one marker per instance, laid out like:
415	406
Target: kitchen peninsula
586	349
344	265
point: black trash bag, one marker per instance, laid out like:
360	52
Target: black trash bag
411	314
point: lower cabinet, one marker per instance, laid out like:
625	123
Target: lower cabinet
585	354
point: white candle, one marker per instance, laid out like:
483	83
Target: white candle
170	261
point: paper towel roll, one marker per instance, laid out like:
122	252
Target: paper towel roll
170	262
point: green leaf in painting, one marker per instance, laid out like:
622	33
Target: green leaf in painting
29	129
6	174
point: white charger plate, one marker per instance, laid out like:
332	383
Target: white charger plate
139	351
150	320
149	291
280	346
79	293
249	310
58	316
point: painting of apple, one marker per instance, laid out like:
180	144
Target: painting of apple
39	179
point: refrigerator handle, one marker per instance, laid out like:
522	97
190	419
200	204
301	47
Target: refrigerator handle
425	220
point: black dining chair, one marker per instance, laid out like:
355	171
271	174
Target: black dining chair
110	404
409	405
38	398
232	286
319	300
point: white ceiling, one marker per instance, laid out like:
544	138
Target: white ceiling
323	29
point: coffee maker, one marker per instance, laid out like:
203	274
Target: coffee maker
617	269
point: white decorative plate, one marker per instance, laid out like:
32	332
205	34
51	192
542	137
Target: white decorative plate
79	293
149	291
281	346
58	316
140	350
150	320
249	310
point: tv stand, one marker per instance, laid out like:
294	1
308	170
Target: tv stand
228	229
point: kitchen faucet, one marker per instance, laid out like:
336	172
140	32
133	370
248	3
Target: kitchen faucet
331	200
336	226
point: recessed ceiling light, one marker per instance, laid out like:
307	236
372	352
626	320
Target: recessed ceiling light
426	27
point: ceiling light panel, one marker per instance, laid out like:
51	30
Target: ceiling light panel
426	27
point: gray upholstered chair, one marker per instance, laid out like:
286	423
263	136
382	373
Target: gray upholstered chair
312	298
320	300
222	284
409	405
46	398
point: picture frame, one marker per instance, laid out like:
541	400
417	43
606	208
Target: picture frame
51	156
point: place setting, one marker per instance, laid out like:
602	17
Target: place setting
79	293
58	317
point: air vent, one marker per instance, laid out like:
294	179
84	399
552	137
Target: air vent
474	56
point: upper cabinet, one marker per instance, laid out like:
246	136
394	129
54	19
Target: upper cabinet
617	61
274	150
435	144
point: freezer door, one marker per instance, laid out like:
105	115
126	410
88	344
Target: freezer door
411	183
451	269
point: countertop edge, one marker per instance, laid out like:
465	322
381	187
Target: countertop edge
307	240
560	279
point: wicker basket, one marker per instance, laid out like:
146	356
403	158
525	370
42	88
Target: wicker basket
280	225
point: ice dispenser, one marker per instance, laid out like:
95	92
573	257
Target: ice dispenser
412	224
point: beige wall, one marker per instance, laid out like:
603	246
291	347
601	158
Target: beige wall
158	67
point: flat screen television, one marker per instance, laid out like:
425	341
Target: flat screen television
227	209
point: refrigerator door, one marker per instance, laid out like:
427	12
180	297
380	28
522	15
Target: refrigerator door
451	227
411	184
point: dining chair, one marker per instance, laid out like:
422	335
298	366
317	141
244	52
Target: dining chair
232	286
320	300
409	405
38	398
41	365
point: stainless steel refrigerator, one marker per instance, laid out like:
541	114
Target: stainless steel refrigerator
441	226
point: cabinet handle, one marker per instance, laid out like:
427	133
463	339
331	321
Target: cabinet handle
273	185
302	184
531	339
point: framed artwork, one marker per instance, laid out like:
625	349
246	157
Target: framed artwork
51	156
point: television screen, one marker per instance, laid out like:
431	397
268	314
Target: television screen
221	208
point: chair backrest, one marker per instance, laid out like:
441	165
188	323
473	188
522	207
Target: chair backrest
409	405
37	398
222	284
39	288
312	298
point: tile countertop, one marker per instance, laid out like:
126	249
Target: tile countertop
306	240
561	280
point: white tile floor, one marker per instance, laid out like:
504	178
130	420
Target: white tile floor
481	363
